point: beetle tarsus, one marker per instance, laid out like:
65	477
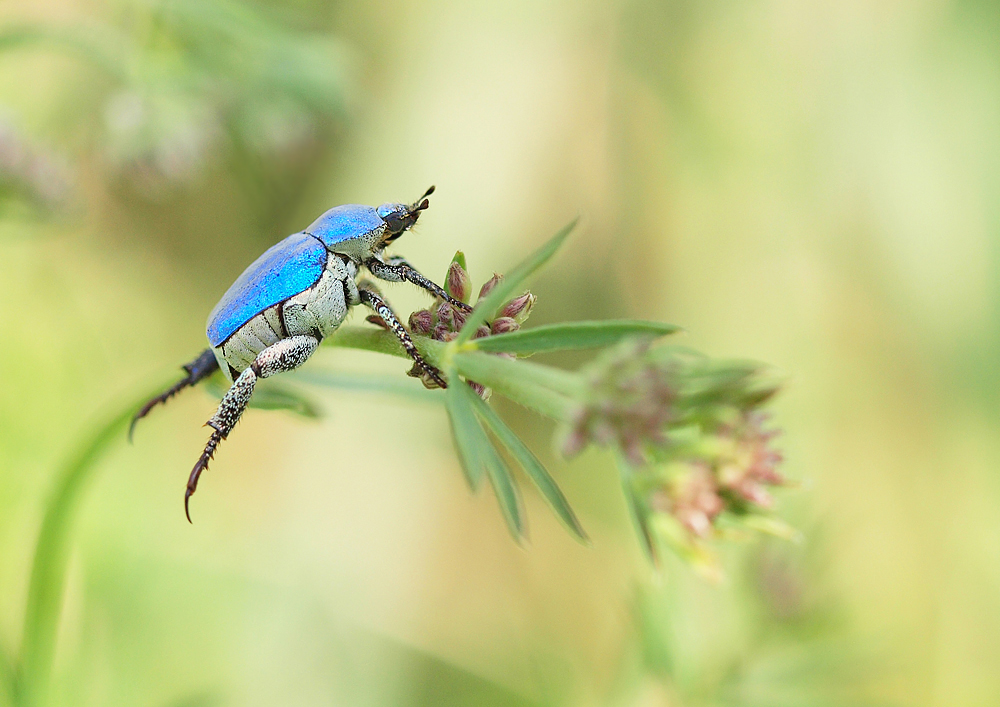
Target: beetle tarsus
197	370
396	269
200	466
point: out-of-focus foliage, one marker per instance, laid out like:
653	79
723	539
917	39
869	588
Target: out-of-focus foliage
810	184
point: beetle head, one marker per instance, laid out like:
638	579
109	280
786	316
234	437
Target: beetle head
400	217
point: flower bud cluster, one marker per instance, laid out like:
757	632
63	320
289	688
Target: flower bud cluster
691	435
443	321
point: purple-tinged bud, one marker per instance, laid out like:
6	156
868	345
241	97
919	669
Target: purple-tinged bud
519	308
503	325
421	322
457	282
479	388
481	332
449	336
440	331
489	285
376	320
446	314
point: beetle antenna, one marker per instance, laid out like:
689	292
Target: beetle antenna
422	203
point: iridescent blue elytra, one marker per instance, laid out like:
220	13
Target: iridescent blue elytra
284	270
294	265
298	292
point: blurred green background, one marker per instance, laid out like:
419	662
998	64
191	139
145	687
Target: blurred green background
812	184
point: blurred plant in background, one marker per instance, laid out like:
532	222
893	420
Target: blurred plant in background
196	86
32	181
691	439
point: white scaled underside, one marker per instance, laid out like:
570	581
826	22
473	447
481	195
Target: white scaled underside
318	310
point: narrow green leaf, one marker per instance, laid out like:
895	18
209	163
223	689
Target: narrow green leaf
372	338
544	389
466	434
511	282
365	382
504	486
547	486
571	335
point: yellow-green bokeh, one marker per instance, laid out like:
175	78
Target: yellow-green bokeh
811	184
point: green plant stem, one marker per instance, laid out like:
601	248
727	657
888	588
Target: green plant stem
547	390
48	571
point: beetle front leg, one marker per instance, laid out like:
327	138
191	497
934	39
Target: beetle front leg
372	299
286	355
398	270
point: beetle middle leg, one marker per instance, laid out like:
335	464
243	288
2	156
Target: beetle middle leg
372	299
286	355
199	369
398	270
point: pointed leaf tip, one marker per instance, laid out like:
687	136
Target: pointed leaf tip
512	281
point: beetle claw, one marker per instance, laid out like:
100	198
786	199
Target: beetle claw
200	466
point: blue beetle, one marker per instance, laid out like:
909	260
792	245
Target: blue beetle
293	296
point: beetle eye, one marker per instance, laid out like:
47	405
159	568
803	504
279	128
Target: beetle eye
395	221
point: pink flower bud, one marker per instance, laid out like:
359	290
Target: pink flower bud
490	284
480	389
446	314
421	322
504	325
457	283
519	307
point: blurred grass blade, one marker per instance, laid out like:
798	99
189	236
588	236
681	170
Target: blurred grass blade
465	433
7	677
100	44
546	390
571	335
635	510
271	394
772	526
504	485
279	396
48	571
547	486
511	282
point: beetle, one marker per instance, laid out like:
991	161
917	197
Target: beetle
298	292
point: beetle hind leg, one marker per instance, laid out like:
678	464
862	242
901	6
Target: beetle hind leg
197	370
286	355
